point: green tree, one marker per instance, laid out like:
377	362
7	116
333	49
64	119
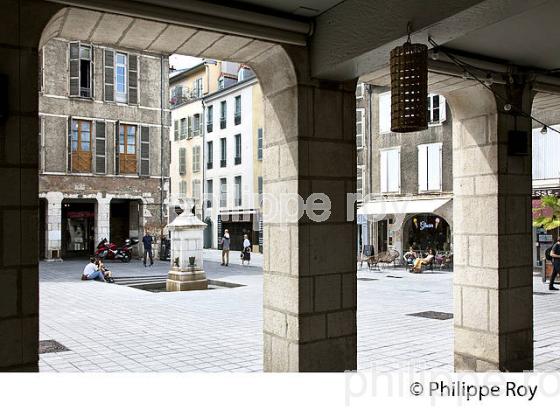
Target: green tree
548	202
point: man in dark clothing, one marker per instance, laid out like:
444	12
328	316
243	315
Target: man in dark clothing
555	254
147	241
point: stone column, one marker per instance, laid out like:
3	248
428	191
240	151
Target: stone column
103	219
309	266
492	228
54	225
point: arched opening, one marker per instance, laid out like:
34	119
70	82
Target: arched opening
427	230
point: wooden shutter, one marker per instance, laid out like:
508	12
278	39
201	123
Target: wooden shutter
422	168
69	153
434	167
74	69
109	74
383	171
182	161
189	127
442	109
100	148
145	151
117	152
132	79
176	130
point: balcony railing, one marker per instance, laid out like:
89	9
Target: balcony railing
222	123
209	165
223	163
237	160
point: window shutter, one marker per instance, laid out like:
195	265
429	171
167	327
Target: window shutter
442	109
434	167
100	152
393	170
190	126
145	151
69	153
117	153
383	171
132	79
41	68
176	130
109	73
75	69
422	168
385	112
182	161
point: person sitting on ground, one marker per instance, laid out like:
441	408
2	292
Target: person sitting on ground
418	262
107	274
92	272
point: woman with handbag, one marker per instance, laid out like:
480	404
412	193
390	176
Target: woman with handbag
246	254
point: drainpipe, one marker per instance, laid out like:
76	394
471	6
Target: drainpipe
162	123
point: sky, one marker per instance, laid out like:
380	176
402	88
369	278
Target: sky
180	62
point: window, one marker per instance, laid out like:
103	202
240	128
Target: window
81	146
360	90
237	149
176	130
197	88
196	189
209	155
210	118
260	144
244	73
390	172
238	191
196	158
223	192
223	115
385	112
196	125
223	156
436	109
237	116
209	193
182	161
359	184
183	189
221	83
127	149
429	167
360	114
120	77
81	75
184	128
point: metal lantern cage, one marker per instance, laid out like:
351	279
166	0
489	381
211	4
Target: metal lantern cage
409	87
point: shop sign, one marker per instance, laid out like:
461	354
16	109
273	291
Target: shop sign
80	214
425	225
543	238
538	193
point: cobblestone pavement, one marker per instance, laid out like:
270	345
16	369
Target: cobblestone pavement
115	328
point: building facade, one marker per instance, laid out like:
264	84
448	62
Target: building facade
407	179
104	124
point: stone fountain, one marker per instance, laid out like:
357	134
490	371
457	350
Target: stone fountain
186	233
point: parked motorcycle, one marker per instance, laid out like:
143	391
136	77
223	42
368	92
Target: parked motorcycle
109	250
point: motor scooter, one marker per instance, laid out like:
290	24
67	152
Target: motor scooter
109	250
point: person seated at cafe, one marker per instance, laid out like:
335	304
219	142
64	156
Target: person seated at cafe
418	262
410	256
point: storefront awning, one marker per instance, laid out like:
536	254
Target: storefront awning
399	206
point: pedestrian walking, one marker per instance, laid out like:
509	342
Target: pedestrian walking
225	248
246	254
555	256
147	240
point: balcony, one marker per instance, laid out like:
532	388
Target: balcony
184	97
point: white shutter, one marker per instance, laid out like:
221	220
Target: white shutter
422	168
442	110
385	112
383	171
434	167
393	170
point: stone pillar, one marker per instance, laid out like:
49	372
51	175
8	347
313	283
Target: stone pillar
21	25
492	228
103	219
309	266
54	225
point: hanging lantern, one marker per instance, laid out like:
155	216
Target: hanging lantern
409	87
